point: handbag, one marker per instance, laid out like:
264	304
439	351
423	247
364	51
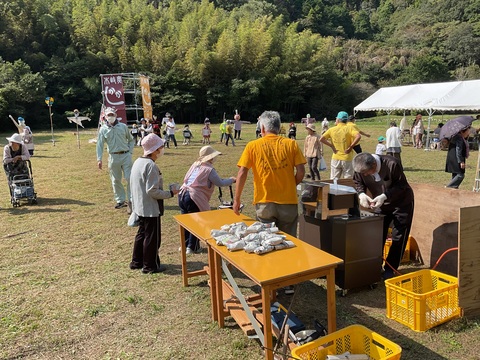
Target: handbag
133	220
323	164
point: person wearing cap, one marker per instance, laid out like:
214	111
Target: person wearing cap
394	141
341	139
120	145
391	196
313	151
14	156
351	122
381	149
146	182
197	189
278	166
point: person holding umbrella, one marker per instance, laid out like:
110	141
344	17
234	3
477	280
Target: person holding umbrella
457	130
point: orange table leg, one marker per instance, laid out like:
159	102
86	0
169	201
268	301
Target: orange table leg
213	282
267	323
331	305
183	256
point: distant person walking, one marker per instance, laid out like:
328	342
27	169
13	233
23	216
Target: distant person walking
394	141
120	145
458	151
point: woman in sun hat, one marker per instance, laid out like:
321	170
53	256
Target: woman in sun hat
14	155
197	189
146	186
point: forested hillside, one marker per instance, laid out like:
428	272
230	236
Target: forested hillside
205	58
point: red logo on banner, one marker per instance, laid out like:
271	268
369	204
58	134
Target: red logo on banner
113	95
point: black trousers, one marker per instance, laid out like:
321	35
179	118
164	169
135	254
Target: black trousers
146	245
401	220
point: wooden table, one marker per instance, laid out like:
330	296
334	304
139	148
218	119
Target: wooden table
270	271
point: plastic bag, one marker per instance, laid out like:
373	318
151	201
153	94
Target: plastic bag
323	165
133	220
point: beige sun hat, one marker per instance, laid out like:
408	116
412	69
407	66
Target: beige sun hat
15	138
311	127
207	153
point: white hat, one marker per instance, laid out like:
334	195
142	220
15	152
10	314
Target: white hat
311	127
151	143
207	153
16	138
110	110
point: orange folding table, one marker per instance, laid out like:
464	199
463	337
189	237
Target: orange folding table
270	271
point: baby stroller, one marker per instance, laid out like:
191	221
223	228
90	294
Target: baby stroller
20	182
226	204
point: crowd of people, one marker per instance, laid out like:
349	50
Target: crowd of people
274	158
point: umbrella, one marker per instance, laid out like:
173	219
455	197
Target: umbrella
454	126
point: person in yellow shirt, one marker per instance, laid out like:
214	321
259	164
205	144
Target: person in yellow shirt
278	166
341	139
352	122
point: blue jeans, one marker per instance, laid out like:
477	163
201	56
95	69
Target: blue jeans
188	206
457	179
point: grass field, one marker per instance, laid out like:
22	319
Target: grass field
66	291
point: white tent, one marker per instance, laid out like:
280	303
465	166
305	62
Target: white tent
449	96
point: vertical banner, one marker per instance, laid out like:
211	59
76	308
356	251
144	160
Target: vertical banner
146	97
113	95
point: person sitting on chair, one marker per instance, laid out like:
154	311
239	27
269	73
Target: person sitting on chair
14	156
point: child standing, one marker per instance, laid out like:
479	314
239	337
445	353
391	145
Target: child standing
292	131
229	133
313	151
381	148
206	131
187	135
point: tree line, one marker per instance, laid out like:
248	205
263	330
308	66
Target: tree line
206	58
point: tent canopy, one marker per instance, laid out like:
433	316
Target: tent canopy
448	96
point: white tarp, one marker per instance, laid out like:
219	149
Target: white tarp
449	96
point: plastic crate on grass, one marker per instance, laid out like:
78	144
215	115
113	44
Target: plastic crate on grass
356	339
422	299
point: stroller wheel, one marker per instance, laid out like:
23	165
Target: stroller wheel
34	201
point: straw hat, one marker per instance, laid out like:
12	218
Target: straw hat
151	143
207	153
15	138
311	127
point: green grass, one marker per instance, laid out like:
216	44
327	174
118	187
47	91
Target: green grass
66	291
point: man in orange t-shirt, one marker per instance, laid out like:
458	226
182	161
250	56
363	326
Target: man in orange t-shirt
278	166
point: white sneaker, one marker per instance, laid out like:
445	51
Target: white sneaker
189	251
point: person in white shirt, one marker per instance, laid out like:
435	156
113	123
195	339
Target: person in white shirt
324	125
393	141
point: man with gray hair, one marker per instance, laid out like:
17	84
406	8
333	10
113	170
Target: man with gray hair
341	139
391	196
278	166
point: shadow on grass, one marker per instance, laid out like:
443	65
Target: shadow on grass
62	201
42	202
423	170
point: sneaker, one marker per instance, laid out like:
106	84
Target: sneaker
198	250
120	205
189	251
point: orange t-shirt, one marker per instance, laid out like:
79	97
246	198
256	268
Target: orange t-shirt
273	159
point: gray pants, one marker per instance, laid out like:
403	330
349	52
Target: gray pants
285	216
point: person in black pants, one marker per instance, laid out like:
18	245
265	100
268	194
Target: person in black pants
392	196
456	157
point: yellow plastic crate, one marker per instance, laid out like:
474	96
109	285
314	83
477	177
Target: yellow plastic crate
422	299
406	253
356	339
